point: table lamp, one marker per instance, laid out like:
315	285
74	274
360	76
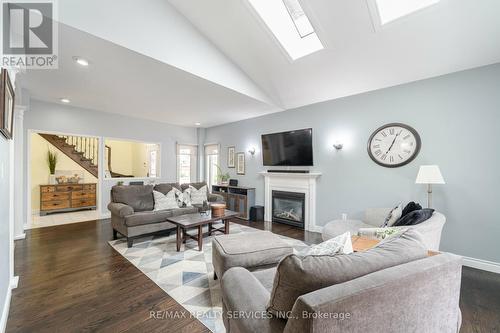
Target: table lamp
429	174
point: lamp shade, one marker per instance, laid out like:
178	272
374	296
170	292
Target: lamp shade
429	174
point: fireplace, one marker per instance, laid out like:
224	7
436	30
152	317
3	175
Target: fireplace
288	208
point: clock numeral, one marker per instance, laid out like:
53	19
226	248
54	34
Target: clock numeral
378	140
401	131
411	143
407	136
384	134
383	157
376	146
391	131
378	152
407	151
391	159
401	157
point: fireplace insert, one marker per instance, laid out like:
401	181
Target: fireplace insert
288	208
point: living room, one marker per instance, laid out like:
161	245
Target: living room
269	166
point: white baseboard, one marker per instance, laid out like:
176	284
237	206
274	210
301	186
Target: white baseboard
14	282
316	228
5	312
105	215
21	236
484	265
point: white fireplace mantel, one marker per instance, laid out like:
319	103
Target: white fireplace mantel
293	182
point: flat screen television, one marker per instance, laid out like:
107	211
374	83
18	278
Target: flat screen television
293	148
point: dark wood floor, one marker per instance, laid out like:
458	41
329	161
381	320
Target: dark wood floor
71	280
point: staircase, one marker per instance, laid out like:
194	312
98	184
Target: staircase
82	150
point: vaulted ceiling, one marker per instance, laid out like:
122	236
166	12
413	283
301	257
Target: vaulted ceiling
214	61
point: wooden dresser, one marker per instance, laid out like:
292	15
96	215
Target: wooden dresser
67	197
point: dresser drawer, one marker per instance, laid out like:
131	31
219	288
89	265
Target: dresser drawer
57	204
51	196
82	203
89	187
69	188
45	189
82	195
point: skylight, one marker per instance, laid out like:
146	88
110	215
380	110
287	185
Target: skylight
290	25
390	10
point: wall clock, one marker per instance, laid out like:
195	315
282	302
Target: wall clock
394	145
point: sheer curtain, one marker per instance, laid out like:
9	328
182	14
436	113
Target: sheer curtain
187	160
211	163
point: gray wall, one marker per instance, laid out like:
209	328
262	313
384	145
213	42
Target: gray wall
458	118
4	221
65	119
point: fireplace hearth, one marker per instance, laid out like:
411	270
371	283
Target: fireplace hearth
288	208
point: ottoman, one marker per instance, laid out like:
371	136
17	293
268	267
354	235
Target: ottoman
254	250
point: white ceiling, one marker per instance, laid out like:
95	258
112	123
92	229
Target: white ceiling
121	81
244	73
451	36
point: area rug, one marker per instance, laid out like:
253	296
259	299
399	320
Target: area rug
187	276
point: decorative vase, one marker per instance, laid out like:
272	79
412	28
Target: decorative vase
52	179
224	182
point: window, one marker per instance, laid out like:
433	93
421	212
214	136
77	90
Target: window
211	163
290	25
131	159
186	163
390	10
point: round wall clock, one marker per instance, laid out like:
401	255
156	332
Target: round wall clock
394	145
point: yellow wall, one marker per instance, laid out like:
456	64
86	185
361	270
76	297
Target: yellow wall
128	157
40	170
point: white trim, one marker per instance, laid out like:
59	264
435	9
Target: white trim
5	312
20	236
105	215
14	282
484	265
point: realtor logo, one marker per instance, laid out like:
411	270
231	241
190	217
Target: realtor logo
29	35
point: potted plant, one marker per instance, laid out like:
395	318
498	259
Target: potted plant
52	162
222	178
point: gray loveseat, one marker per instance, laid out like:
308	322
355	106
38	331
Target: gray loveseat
133	214
394	288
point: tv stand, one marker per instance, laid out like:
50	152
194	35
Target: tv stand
288	171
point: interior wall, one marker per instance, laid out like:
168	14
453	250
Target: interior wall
40	170
5	241
458	118
49	117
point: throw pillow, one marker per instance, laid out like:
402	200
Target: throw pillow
339	245
166	201
415	217
299	275
198	196
393	216
410	207
184	198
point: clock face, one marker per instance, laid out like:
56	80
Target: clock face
394	145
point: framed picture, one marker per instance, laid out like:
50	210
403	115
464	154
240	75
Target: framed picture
230	156
240	159
6	105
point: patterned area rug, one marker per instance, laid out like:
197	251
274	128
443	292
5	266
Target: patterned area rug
187	276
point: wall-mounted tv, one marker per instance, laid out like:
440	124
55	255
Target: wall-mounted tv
293	148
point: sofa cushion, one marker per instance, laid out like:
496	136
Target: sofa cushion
183	211
299	275
195	185
415	217
410	207
166	201
139	197
198	196
141	218
166	187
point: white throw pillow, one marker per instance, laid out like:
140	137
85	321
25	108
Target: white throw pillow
166	201
184	198
198	197
393	216
339	245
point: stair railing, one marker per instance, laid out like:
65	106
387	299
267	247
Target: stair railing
89	147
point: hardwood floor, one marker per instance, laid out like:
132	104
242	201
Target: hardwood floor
71	280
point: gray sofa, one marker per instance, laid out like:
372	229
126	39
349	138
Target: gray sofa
132	213
394	288
430	229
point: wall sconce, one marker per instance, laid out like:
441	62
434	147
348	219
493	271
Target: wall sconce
338	145
252	151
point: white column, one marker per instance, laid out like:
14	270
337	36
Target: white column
19	221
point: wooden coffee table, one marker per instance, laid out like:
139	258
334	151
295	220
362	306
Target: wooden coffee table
362	243
199	220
